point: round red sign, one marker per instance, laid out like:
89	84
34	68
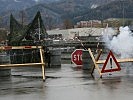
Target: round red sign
76	57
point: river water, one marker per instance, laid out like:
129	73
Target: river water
67	83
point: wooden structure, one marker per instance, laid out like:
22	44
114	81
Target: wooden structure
96	61
42	63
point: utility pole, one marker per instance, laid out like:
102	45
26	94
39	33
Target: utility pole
123	12
22	15
39	28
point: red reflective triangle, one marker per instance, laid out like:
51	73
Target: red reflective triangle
112	69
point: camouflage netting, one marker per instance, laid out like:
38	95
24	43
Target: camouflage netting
31	34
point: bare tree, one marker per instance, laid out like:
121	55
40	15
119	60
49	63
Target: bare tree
68	24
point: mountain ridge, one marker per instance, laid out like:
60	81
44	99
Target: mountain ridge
55	13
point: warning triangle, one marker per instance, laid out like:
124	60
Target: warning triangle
111	61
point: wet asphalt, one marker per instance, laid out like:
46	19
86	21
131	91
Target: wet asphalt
67	83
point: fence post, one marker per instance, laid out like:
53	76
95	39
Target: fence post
42	63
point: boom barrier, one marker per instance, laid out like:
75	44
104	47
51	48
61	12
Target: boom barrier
41	51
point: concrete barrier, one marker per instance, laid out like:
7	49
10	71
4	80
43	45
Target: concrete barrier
4	59
87	60
55	58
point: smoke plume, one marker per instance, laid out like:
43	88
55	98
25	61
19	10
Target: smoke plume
122	44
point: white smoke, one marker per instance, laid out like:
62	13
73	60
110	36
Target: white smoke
17	1
122	44
36	0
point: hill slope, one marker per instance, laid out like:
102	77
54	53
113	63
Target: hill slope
116	9
55	13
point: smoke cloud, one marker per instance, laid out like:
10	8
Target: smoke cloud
122	44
